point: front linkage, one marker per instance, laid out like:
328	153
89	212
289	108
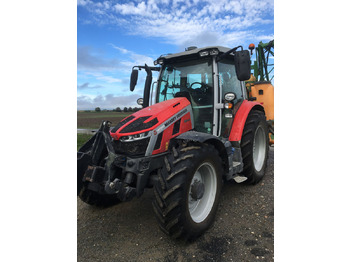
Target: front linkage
104	171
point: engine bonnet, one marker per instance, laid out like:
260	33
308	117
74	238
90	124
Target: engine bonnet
149	118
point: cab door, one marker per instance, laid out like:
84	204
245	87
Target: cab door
229	83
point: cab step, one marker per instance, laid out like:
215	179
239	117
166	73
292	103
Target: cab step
240	179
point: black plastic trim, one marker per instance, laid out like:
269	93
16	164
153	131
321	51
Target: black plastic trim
121	123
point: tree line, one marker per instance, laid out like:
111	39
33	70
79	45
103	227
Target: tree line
118	109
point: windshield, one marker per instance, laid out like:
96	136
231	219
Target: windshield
184	77
193	80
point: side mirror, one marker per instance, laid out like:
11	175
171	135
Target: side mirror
140	101
242	63
133	79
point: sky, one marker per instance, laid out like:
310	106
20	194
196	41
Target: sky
113	36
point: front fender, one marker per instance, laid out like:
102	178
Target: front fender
221	146
196	136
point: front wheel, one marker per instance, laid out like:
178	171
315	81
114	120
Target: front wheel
187	192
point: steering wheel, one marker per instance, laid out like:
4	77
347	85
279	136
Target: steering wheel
204	87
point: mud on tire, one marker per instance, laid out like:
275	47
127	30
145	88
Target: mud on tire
254	146
178	214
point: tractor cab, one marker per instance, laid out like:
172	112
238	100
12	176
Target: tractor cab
204	76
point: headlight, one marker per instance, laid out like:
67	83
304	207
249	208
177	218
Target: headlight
204	53
209	52
134	137
230	96
135	147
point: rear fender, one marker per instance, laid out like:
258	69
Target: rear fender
241	117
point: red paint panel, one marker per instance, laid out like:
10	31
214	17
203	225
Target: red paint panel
240	119
185	126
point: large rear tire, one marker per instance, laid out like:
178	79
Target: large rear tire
187	192
255	145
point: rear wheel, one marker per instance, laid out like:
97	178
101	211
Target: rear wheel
187	192
255	145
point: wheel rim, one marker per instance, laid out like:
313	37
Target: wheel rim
259	148
200	209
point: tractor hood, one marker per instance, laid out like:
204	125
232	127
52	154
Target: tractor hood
149	118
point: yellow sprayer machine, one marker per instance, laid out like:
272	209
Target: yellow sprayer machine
259	85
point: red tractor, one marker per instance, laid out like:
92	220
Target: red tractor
197	128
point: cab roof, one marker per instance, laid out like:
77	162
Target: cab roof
221	49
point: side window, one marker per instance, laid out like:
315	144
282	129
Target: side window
229	80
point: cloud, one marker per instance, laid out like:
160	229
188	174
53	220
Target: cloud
131	8
134	58
97	69
131	60
83	2
183	22
265	38
103	77
88	59
106	102
88	86
122	50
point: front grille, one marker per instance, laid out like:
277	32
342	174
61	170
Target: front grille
133	148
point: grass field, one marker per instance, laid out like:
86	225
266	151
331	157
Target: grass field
82	139
92	120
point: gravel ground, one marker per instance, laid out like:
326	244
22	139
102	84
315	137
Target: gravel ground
242	231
